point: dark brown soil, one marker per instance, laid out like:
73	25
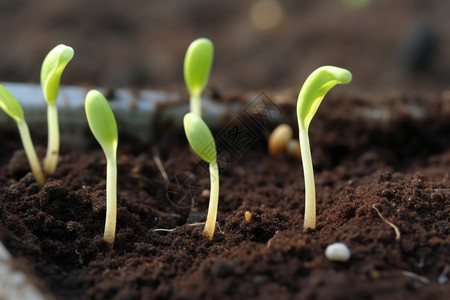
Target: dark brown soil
398	164
388	45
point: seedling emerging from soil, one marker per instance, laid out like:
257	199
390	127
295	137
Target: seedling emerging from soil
13	109
51	71
103	125
311	94
197	66
202	142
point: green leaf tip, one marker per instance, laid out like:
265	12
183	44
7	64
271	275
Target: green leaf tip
51	71
197	65
10	105
200	137
101	120
315	88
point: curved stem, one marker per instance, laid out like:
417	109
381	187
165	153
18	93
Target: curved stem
31	153
310	189
111	198
51	158
196	105
213	201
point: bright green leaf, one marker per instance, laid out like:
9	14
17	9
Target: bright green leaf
197	65
52	68
315	88
200	137
101	120
10	105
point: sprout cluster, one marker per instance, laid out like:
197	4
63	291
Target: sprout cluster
197	67
51	71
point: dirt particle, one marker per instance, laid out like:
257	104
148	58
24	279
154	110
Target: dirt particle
386	176
435	242
222	269
374	274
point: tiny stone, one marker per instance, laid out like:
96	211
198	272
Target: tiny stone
338	252
196	217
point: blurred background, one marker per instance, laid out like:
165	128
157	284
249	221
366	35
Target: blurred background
401	45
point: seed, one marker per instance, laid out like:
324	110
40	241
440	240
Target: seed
279	139
293	149
205	193
248	216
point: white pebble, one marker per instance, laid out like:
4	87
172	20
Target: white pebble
338	252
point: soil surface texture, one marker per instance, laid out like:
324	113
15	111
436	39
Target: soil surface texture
383	188
388	45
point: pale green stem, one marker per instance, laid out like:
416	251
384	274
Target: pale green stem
30	152
111	197
51	159
196	105
310	189
213	201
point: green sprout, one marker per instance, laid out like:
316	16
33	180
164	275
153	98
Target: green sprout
314	89
197	66
104	127
13	109
51	71
202	142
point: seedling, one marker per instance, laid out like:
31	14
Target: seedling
311	94
51	71
202	142
103	125
13	109
197	66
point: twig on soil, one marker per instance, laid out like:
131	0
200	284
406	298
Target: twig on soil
397	231
172	229
416	277
160	165
443	277
192	224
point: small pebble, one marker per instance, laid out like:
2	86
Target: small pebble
338	252
279	138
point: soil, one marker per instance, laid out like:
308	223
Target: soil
388	45
374	163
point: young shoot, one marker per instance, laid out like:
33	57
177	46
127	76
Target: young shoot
51	71
12	108
311	94
197	66
103	125
202	142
